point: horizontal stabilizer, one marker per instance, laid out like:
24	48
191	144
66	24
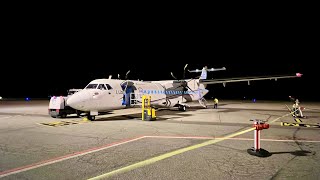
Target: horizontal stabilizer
205	70
216	69
209	70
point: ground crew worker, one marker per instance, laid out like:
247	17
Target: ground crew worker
297	109
215	103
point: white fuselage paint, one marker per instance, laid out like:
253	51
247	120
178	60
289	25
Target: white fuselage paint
163	93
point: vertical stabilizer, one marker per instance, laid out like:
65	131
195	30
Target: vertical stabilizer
204	73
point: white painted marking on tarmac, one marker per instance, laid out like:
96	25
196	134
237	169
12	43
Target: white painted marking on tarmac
6	117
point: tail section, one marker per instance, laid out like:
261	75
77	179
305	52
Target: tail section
204	73
202	91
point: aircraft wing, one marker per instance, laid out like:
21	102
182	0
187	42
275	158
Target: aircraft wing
247	79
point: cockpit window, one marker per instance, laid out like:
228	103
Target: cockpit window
108	86
91	86
102	87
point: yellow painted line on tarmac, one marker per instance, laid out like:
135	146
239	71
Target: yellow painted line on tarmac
300	125
167	155
64	123
280	117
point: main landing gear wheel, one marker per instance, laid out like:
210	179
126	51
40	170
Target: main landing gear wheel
78	113
91	118
182	108
63	115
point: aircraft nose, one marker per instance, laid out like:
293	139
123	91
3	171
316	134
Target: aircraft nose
75	101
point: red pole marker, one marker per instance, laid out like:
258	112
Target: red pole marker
256	137
256	150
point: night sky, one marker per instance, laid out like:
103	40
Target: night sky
28	80
37	63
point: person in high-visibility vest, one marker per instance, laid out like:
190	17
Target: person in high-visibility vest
297	109
215	103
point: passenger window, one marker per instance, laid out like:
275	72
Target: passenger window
108	86
102	87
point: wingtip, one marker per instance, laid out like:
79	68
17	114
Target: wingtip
299	74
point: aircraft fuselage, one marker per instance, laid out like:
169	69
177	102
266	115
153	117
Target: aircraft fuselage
111	94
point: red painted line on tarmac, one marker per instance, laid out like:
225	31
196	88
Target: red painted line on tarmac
96	149
182	137
62	158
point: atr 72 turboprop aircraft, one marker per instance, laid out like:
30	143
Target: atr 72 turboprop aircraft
103	95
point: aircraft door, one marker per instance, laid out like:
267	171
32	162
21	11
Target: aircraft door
127	88
127	96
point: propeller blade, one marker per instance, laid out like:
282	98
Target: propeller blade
173	76
126	77
185	66
190	89
184	71
125	89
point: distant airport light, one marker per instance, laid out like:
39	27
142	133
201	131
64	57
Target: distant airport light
254	100
27	99
0	97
